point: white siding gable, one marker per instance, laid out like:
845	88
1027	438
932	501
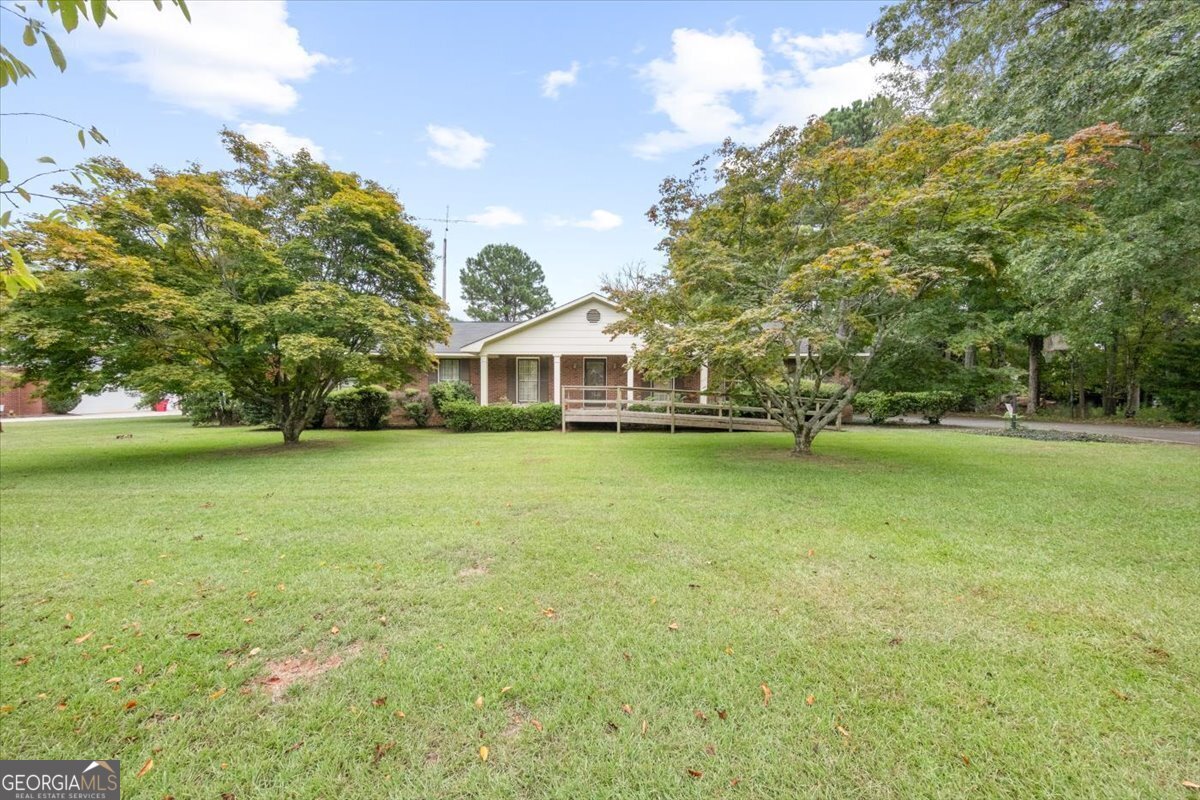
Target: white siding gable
567	332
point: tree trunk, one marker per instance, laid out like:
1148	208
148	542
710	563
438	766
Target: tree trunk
803	446
1035	374
292	429
1081	377
969	357
1133	398
1110	378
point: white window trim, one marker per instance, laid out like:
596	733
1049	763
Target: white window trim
457	368
537	380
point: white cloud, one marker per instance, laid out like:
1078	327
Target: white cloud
278	137
553	82
598	220
718	85
233	57
497	217
455	147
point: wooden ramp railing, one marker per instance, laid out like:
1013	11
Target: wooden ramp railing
649	405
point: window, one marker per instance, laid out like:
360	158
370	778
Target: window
527	380
448	370
662	397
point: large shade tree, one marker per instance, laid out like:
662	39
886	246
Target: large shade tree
803	262
1021	66
503	283
275	282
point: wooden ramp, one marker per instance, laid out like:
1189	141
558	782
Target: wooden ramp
648	406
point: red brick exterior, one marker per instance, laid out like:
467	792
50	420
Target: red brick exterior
19	401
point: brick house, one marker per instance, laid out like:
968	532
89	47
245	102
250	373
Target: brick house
530	361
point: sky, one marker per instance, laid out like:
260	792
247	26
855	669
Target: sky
545	125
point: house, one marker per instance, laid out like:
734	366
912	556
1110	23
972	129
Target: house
530	361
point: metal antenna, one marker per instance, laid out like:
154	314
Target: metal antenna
446	222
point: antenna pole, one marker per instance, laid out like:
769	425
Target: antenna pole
445	236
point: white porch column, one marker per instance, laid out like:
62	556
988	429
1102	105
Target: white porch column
558	398
703	384
629	382
483	379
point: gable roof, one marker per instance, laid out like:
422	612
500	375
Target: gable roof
463	333
590	297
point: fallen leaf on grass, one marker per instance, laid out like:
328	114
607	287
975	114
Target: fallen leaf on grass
549	613
132	704
255	651
149	765
218	694
700	715
479	701
20	662
965	759
536	725
6	709
114	680
193	634
1195	787
843	731
766	690
735	782
728	651
139	669
399	715
695	773
895	641
483	753
85	637
810	700
295	747
506	689
626	708
645	727
379	702
1119	694
723	714
381	750
335	630
674	626
710	749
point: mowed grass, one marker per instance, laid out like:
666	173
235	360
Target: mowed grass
935	614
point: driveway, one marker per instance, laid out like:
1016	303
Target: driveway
1140	432
103	415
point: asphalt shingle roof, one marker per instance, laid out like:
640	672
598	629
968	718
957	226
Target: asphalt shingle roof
463	333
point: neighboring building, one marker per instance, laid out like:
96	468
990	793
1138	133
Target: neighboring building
530	361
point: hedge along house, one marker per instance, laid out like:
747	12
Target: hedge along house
530	361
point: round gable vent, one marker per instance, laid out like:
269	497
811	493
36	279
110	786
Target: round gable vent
593	315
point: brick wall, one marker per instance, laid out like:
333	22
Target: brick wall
20	402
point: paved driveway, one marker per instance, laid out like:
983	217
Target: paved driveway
1174	435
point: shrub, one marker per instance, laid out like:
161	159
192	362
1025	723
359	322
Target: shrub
450	392
63	403
880	406
418	407
363	408
318	418
466	416
211	408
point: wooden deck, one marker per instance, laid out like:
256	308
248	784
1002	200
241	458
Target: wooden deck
647	406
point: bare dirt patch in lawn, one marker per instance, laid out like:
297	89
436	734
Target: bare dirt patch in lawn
476	570
309	667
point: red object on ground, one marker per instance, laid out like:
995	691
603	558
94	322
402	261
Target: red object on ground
161	405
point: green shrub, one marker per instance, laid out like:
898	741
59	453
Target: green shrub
211	408
450	392
318	418
418	407
464	416
63	403
363	408
881	406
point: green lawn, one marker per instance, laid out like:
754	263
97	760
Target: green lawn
970	615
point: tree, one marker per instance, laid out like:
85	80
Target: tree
810	261
274	282
16	273
863	120
502	283
1019	66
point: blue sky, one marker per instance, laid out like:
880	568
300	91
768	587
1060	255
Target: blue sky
551	125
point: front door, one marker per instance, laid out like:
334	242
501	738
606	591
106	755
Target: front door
595	373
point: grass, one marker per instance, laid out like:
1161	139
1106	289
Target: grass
969	615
